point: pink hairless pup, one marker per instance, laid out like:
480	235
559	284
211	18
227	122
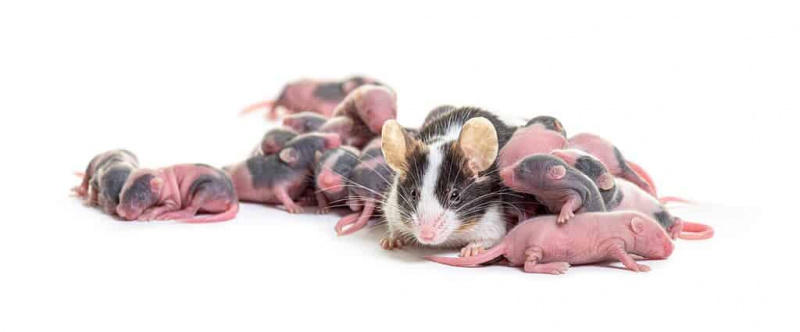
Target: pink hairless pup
541	245
178	192
316	96
360	117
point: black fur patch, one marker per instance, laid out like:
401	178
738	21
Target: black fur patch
139	193
457	190
112	182
267	171
664	219
330	92
459	116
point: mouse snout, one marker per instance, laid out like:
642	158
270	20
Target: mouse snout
427	233
507	174
669	246
329	181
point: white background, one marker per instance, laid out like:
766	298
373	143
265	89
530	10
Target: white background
705	95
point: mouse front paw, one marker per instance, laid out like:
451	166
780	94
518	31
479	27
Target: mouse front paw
565	216
472	249
390	243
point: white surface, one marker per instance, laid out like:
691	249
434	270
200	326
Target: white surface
703	94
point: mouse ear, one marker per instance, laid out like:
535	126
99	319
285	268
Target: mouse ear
557	172
605	181
478	143
289	156
395	144
637	225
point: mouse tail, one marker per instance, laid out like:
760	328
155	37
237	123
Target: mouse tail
486	256
674	199
268	104
695	231
224	216
642	175
356	221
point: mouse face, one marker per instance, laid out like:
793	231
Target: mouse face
534	173
141	191
275	139
443	189
333	170
651	240
112	181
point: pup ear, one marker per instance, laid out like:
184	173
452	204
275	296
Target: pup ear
478	143
557	172
289	156
605	181
156	183
395	144
637	225
317	157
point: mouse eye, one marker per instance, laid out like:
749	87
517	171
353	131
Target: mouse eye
412	193
455	196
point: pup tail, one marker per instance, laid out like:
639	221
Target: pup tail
640	174
674	199
695	231
224	216
268	104
486	256
356	221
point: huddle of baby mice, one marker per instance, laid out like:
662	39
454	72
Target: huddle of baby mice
463	180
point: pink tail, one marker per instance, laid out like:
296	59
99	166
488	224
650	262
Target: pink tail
268	104
224	216
674	199
488	255
696	231
357	221
644	175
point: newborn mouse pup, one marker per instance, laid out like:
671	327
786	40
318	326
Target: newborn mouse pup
178	192
283	177
563	189
541	245
368	184
104	177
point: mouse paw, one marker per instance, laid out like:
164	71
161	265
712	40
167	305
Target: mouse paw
565	215
472	249
555	268
389	243
643	268
294	209
323	210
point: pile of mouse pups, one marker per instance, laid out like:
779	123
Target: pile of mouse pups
528	195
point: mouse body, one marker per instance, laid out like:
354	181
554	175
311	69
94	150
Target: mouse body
360	117
311	95
561	188
104	178
446	192
178	192
369	181
304	122
542	245
282	177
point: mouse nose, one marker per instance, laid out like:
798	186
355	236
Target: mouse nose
427	233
